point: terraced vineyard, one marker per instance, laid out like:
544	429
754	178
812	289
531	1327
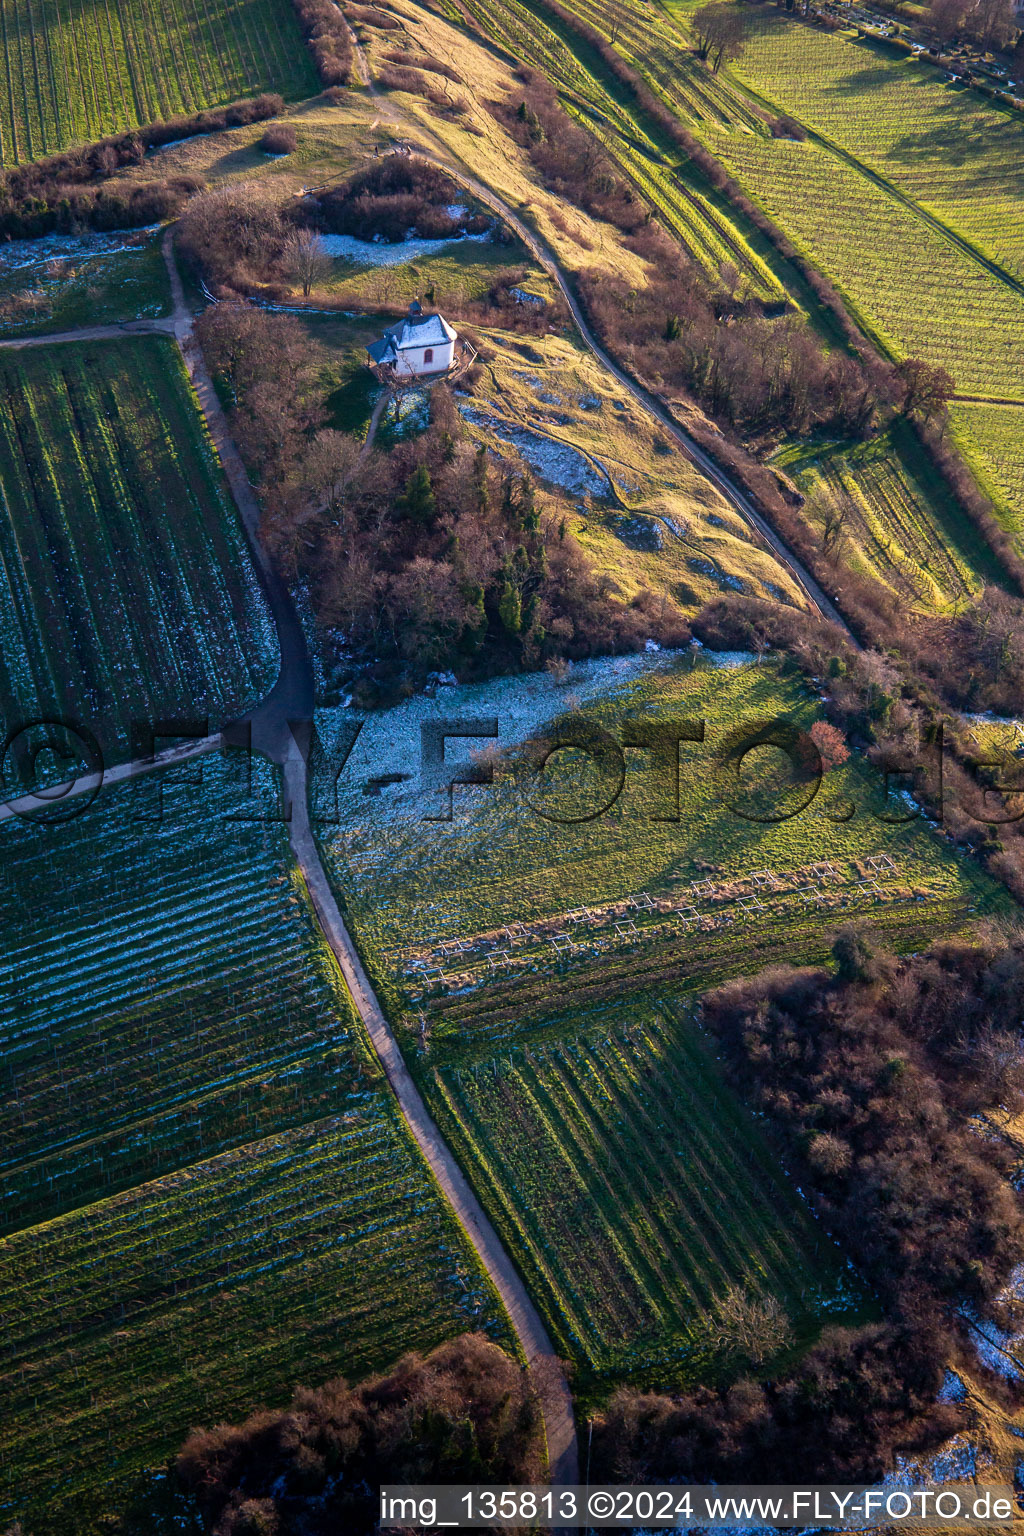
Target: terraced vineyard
76	70
187	970
126	587
687	205
896	518
622	1172
913	189
212	1221
918	293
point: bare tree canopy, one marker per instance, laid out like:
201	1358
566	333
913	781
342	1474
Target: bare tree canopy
718	30
306	261
989	23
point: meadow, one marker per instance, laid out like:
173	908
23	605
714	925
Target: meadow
499	861
214	1220
126	586
686	203
77	70
541	975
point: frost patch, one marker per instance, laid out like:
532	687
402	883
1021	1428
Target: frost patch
23	255
558	463
373	253
723	578
952	1389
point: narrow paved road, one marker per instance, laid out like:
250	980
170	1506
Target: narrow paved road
553	1389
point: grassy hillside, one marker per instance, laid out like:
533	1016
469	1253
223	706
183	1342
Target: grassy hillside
76	70
872	244
687	204
643	514
126	587
215	1220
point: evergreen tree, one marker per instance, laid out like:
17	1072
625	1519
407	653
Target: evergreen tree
419	503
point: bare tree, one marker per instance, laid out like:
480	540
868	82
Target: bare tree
718	30
927	389
306	261
755	1327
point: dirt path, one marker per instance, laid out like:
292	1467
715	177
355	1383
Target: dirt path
371	431
113	332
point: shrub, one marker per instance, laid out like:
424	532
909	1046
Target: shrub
328	39
279	140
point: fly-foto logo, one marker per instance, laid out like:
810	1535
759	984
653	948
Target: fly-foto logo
574	770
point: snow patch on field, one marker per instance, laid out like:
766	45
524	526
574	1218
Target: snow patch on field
374	253
558	463
389	742
23	255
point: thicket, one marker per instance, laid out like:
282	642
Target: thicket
74	189
392	196
328	39
571	162
867	1076
281	139
432	556
463	1413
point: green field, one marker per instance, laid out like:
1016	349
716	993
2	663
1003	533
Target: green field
208	1191
514	951
992	436
898	520
499	861
126	586
76	70
635	1191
